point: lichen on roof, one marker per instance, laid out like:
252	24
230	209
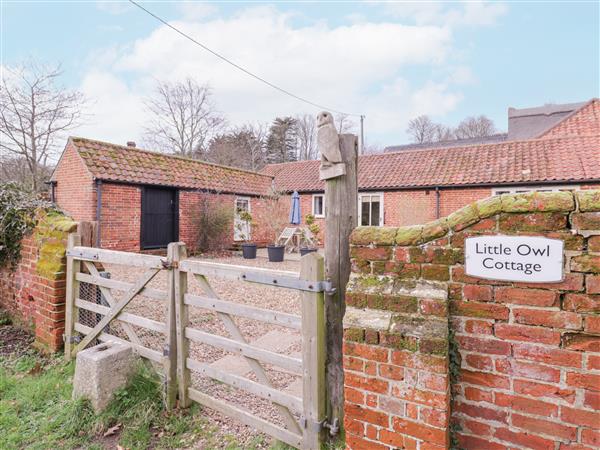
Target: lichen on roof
114	162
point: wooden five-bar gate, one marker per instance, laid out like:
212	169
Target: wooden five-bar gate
156	323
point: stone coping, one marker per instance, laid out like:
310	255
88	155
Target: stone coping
529	202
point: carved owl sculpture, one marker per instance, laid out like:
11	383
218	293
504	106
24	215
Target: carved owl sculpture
328	141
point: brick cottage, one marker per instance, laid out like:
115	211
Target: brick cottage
143	200
551	148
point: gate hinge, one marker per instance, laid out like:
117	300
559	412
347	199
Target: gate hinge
317	427
168	264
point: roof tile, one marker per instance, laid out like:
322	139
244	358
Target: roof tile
562	159
111	162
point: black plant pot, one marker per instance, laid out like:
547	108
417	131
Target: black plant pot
276	252
249	251
306	250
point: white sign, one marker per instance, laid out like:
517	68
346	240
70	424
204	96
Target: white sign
514	258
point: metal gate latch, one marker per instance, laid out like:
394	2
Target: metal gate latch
168	264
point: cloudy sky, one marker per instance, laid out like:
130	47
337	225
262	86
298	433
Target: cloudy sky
389	61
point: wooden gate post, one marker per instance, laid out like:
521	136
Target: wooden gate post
182	320
341	217
73	266
170	348
314	398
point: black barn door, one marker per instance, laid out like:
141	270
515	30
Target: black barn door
160	214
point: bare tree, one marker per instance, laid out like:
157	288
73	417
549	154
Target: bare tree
422	129
242	147
184	118
35	112
443	133
373	148
344	123
475	127
306	137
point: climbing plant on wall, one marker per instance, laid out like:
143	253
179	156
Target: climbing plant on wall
17	216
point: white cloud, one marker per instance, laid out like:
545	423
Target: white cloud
117	113
355	67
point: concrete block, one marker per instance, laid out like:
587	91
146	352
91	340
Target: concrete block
101	370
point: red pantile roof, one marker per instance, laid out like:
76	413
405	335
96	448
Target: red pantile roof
562	159
583	121
112	162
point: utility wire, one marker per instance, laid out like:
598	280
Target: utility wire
237	66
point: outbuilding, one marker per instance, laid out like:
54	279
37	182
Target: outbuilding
142	200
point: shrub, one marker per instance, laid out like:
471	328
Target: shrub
276	214
17	217
214	222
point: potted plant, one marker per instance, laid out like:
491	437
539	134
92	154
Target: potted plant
275	220
314	228
244	226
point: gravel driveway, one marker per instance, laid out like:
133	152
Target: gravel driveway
275	338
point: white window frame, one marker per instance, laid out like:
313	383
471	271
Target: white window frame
381	207
542	188
313	205
235	215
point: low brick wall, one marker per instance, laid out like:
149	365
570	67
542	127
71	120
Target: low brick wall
33	292
436	359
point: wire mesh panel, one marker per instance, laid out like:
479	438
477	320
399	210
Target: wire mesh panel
128	303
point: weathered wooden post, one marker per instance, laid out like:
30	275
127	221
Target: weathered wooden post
314	399
73	266
182	321
339	156
170	348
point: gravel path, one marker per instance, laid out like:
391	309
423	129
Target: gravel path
267	297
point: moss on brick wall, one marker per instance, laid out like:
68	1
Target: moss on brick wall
50	236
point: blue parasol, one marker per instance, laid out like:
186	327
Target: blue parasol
295	209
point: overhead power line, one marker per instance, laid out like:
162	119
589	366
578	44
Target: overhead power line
237	66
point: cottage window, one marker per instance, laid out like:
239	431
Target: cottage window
370	209
318	205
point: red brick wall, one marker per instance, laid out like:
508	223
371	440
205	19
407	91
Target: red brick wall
33	292
582	123
408	207
453	199
120	217
75	190
189	204
523	359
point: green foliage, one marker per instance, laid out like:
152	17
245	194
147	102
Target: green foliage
17	218
245	218
4	318
214	221
313	226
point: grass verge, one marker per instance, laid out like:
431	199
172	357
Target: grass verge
37	412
